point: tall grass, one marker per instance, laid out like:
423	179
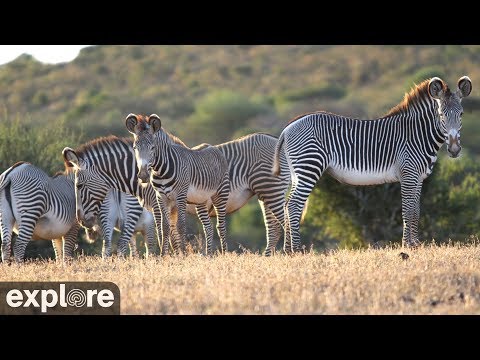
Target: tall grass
433	280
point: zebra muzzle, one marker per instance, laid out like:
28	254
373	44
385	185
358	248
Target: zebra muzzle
453	147
143	175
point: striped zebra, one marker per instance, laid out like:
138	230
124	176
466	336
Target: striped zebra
123	213
249	159
400	147
37	206
180	175
104	164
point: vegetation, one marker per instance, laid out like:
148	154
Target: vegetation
215	93
433	280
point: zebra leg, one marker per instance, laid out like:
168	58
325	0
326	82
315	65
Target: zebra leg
133	246
26	226
411	188
273	228
164	221
24	236
7	222
294	208
149	237
177	217
70	241
219	201
157	236
128	230
106	230
58	248
202	213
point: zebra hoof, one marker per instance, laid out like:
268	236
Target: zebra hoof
413	245
8	261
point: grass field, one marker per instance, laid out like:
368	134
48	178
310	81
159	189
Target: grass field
433	280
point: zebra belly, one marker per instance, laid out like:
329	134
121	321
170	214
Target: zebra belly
144	221
198	196
355	177
47	229
237	199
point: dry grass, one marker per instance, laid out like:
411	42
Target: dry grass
433	280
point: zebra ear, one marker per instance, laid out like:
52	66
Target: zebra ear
435	88
464	86
130	122
70	158
155	122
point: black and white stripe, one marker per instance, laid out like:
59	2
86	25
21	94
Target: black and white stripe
180	175
102	165
37	206
122	212
400	147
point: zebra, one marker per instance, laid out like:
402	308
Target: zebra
180	175
37	206
122	212
249	159
401	146
101	165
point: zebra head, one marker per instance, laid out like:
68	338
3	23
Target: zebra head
90	188
138	126
450	110
92	234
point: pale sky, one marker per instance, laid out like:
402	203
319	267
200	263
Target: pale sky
50	54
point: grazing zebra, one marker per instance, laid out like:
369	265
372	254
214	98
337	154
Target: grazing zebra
400	147
101	165
249	159
180	174
37	206
122	212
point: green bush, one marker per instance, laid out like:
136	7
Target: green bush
22	140
218	115
324	91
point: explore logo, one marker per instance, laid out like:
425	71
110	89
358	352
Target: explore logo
48	298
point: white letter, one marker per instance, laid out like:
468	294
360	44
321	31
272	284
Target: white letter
31	298
90	294
45	303
62	296
105	298
14	298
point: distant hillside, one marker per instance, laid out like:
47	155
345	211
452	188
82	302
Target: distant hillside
186	85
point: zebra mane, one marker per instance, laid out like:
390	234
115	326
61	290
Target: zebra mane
418	94
60	173
101	142
249	136
143	125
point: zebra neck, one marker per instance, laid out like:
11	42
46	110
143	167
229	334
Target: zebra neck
163	155
422	126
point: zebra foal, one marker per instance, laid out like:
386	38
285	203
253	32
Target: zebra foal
180	175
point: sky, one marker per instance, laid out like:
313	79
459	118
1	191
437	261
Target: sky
50	54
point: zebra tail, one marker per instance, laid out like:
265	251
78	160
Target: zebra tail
276	157
4	181
4	178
